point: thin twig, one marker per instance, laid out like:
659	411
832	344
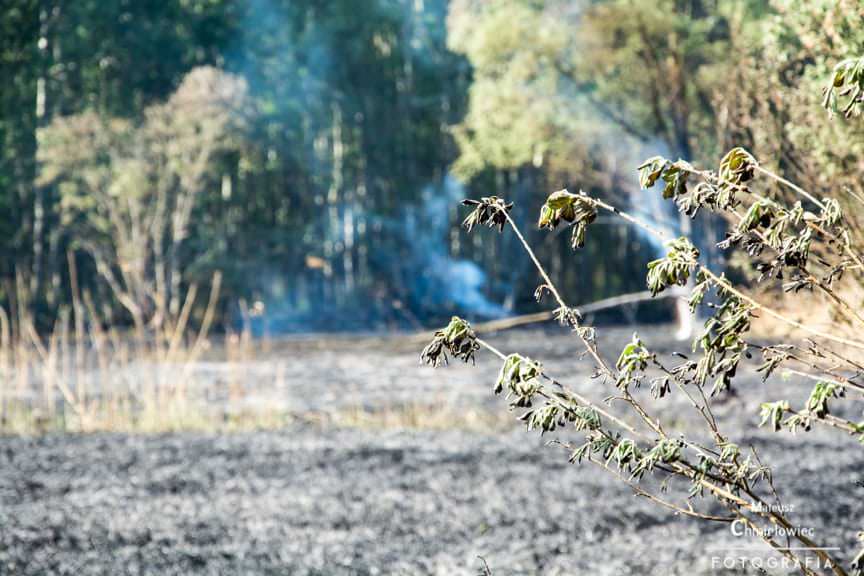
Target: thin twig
588	346
789	185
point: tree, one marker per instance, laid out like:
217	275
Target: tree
777	109
128	191
551	78
20	66
578	93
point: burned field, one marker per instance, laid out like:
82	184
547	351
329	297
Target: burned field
351	485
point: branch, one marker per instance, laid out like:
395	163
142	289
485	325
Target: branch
585	401
596	306
727	286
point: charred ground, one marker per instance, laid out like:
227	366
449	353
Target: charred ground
318	499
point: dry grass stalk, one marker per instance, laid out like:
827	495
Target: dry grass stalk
94	376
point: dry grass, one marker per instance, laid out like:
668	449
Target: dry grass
87	376
418	416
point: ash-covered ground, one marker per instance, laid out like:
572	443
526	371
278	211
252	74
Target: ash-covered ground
318	499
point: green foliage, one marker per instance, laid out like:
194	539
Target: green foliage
545	418
716	192
817	403
699	291
808	53
516	49
665	451
816	408
722	343
736	168
674	174
578	210
760	214
675	268
765	225
832	213
458	338
729	452
550	416
773	357
519	377
845	92
293	216
633	360
128	191
772	413
596	443
19	69
625	453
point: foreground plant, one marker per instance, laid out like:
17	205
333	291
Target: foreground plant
782	240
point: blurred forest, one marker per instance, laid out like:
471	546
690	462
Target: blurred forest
309	155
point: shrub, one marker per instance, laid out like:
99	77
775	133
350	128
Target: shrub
781	240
